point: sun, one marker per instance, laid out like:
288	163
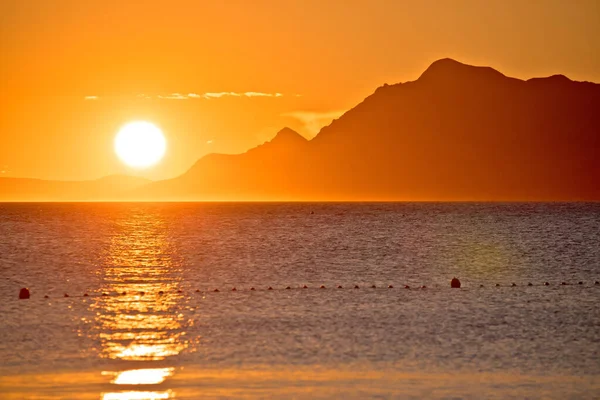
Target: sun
140	144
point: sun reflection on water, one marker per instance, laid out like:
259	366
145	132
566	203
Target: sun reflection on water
148	376
134	322
136	395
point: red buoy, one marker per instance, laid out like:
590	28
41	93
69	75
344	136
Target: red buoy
24	294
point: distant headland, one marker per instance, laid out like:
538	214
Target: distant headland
457	133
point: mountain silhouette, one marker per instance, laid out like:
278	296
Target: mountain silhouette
269	171
111	187
458	132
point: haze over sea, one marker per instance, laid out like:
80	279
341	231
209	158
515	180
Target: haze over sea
435	342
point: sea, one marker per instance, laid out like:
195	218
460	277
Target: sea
299	300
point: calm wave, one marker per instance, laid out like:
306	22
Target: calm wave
127	340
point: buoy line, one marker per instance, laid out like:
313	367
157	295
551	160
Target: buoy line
24	293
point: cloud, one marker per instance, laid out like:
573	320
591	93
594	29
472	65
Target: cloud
260	94
174	96
213	95
207	95
240	94
220	94
313	121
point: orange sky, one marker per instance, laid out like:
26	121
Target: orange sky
322	57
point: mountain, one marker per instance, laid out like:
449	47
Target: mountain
269	171
108	188
458	132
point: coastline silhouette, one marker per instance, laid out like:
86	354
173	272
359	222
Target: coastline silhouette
458	133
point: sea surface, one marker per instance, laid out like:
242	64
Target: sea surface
152	325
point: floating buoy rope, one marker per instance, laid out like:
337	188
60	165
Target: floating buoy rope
24	293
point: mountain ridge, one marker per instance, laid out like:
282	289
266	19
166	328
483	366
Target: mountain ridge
448	69
485	126
457	133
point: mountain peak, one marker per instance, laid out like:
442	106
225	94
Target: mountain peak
554	79
446	63
285	139
447	69
288	135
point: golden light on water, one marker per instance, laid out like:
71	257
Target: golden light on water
140	352
149	376
136	323
136	395
143	321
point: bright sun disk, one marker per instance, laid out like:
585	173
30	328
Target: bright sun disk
140	144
